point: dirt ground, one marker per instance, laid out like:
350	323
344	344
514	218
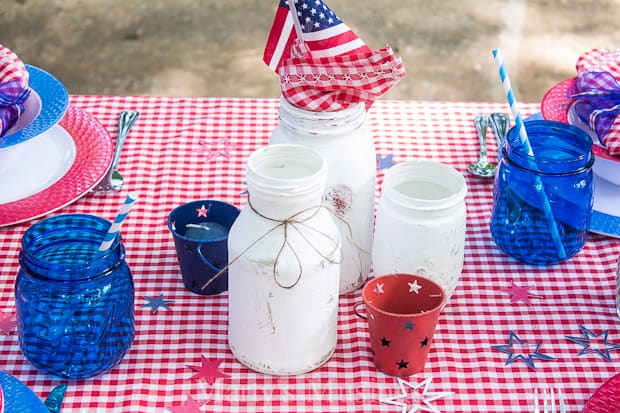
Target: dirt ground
214	47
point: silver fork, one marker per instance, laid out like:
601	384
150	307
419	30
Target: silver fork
548	400
113	179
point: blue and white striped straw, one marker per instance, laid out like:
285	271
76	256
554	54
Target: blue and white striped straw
114	229
514	108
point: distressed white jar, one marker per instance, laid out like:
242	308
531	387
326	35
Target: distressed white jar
284	253
420	225
344	140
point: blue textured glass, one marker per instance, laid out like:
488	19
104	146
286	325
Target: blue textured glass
561	172
75	311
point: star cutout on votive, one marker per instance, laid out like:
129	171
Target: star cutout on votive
420	399
379	288
408	325
190	406
517	349
156	303
222	147
414	287
518	293
402	364
208	370
385	342
202	211
594	343
424	342
385	162
7	323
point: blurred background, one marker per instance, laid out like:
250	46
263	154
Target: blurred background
214	47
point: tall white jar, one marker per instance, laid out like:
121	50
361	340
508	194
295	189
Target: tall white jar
420	226
285	253
344	140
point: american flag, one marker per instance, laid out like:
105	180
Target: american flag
324	34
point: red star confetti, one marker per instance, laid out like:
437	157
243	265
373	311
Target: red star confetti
222	147
7	323
208	370
518	293
420	398
202	211
190	406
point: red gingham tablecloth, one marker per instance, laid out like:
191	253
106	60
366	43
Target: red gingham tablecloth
186	149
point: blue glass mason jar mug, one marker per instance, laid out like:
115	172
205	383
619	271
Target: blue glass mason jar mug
542	204
75	305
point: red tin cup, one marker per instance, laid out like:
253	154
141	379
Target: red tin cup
402	311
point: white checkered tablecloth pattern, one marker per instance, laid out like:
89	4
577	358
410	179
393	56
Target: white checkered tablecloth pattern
165	160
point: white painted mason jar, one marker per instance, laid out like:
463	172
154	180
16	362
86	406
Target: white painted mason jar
420	227
344	140
284	251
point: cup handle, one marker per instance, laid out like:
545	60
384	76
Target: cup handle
357	313
205	260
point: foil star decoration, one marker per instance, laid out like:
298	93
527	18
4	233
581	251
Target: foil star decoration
594	343
222	147
156	303
517	349
518	293
190	406
385	162
421	398
7	323
208	370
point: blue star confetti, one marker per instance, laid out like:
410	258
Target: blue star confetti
517	349
594	343
156	303
385	162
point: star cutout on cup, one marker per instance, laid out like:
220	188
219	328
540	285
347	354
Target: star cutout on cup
208	370
190	406
594	343
419	399
414	287
222	147
7	323
402	364
517	349
518	293
156	303
408	325
424	342
385	162
202	211
385	342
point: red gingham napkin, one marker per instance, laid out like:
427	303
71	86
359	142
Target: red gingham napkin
598	95
336	82
13	88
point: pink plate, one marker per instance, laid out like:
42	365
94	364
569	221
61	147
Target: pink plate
606	399
93	157
555	106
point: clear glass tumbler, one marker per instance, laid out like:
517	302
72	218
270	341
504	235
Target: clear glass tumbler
75	311
542	204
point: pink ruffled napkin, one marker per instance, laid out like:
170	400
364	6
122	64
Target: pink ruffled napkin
597	94
14	88
323	65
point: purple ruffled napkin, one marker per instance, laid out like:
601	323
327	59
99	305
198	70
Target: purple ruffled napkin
14	88
597	94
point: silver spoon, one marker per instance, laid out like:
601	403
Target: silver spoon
482	168
113	179
500	123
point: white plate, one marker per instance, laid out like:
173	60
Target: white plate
606	210
32	166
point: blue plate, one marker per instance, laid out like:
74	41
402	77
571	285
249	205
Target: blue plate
54	103
18	397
